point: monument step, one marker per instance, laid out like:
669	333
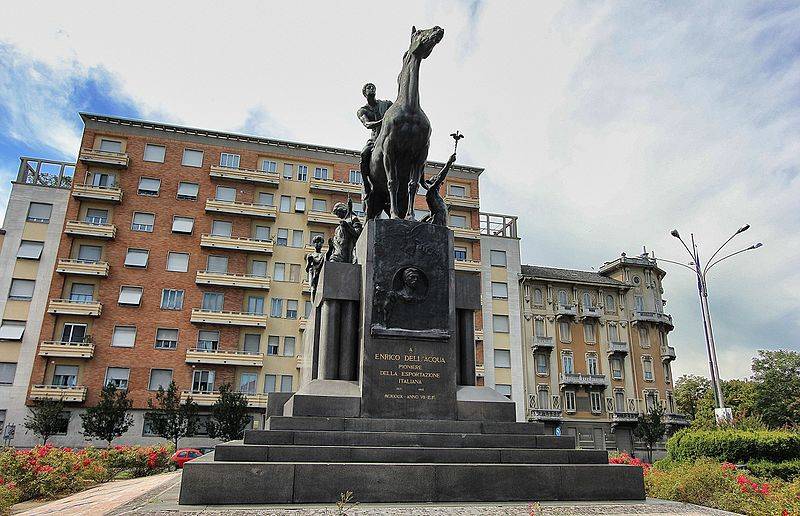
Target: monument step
419	439
208	482
237	452
402	425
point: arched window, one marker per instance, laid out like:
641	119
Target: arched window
537	297
587	300
610	305
562	298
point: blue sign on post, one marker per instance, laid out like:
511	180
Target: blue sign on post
558	430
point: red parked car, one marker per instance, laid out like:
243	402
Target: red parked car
184	455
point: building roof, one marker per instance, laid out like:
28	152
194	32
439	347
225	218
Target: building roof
569	276
159	126
644	261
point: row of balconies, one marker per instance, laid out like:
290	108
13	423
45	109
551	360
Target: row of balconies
595	312
614	348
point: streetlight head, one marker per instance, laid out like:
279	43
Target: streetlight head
743	229
756	246
675	233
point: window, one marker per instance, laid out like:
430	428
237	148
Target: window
638	303
283	237
308	308
12	330
288	346
217	264
358	209
149	186
192	158
619	401
255	305
587	300
458	221
286	383
30	250
96	216
7	372
596	402
154	153
499	290
90	253
613	332
229	160
538	327
269	166
497	258
543	398
302	173
458	191
294	272
118	377
177	262
502	358
166	338
542	365
213	301
110	146
137	258
143	222
269	382
567	364
291	308
662	338
276	307
81	293
65	376
247	383
272	344
221	228
610	304
225	194
252	343
203	381
616	368
299	204
460	253
159	378
258	268
355	177
297	238
188	191
319	205
265	199
588	332
123	336
644	337
171	299
650	399
569	401
207	339
320	173
73	332
667	372
564	331
500	323
261	233
280	272
648	368
503	389
130	296
287	170
286	204
591	364
39	212
21	289
563	300
538	299
103	180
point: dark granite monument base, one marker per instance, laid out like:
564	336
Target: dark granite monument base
314	459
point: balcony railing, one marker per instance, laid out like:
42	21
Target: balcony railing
493	224
591	312
566	311
90	229
621	348
73	394
586	380
97	193
667	354
322	217
57	348
208	398
468	265
675	419
237	243
225	279
82	267
45	172
544	415
542	343
329	185
73	307
105	158
245	175
303	323
659	318
306	287
466	233
224	357
462	202
624	417
228	318
241	208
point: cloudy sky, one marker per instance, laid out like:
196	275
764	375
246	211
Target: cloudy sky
601	125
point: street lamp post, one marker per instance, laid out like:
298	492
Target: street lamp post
702	290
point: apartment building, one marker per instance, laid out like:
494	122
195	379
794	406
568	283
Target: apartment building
597	351
182	258
31	231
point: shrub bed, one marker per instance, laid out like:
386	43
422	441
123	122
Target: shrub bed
786	470
737	446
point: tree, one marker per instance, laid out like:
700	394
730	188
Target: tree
45	419
229	415
110	418
651	429
689	390
777	387
169	418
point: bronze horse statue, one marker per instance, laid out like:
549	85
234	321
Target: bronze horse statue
401	148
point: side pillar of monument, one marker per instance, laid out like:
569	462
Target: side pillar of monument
329	373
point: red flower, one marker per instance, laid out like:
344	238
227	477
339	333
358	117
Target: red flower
741	479
87	461
765	489
727	466
46	469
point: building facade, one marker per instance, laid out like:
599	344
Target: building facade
182	258
597	351
33	222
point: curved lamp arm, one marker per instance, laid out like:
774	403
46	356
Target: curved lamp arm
754	246
677	263
740	230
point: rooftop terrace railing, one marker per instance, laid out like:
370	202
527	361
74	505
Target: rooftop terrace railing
45	172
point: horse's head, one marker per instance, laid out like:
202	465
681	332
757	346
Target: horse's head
423	40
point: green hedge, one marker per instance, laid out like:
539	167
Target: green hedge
787	470
737	446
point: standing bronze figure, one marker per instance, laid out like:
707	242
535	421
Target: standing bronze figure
436	204
314	263
371	115
341	248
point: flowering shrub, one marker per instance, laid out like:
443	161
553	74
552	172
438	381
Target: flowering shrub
737	446
624	458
